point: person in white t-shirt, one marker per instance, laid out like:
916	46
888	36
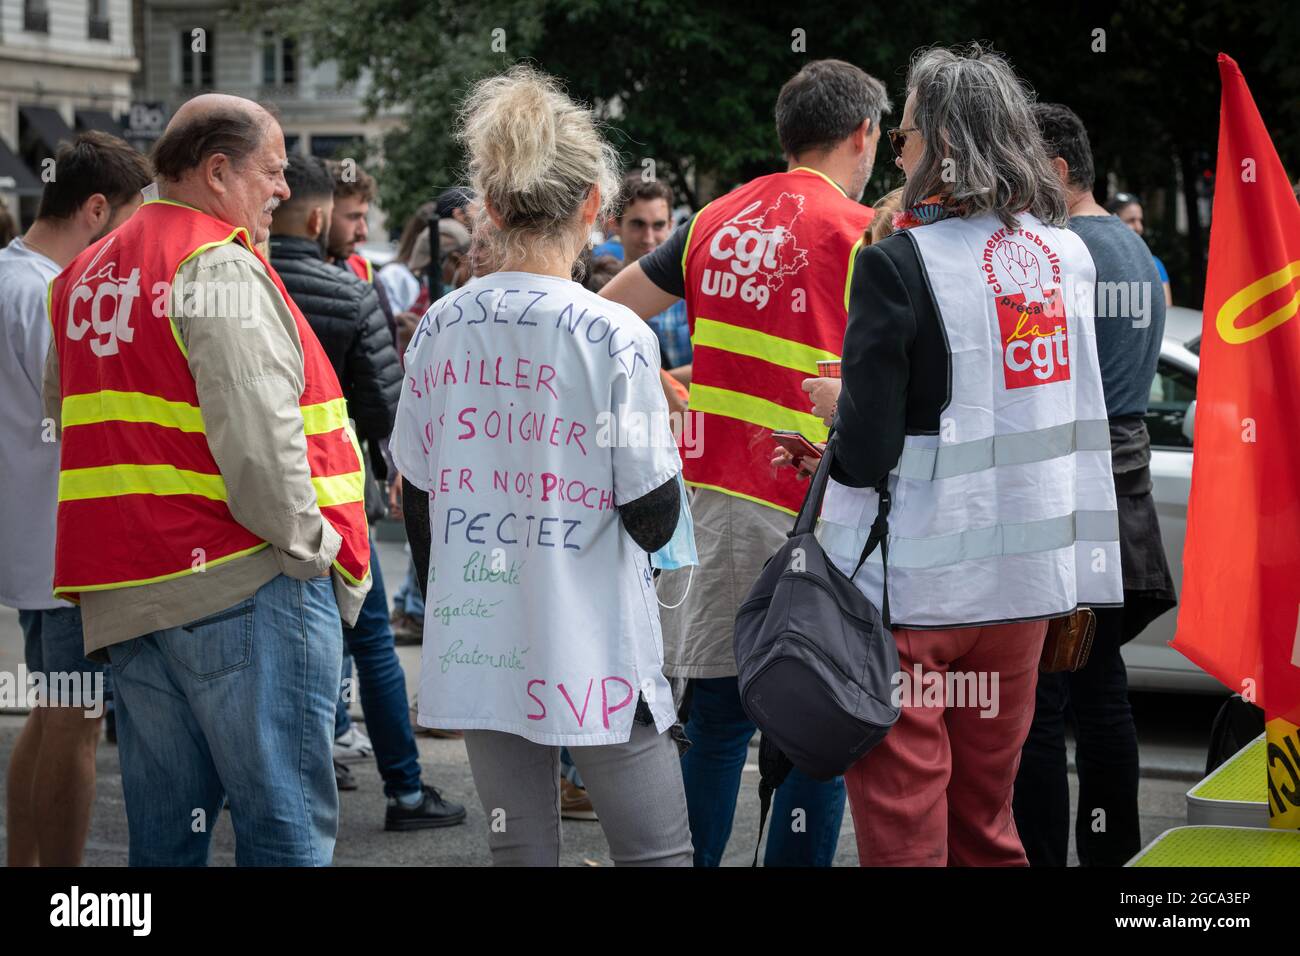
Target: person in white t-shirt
539	470
51	780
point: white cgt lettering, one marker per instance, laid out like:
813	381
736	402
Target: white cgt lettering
1044	353
751	248
110	313
77	329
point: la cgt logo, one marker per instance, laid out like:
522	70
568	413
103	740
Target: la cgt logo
101	304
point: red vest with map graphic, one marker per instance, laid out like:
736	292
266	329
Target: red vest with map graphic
767	270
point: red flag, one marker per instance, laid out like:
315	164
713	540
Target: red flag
1240	613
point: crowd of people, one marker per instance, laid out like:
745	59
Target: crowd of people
213	394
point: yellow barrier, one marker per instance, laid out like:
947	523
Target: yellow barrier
1235	794
1221	846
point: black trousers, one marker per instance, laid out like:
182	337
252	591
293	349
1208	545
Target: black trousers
1095	701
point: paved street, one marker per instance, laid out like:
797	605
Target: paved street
1173	730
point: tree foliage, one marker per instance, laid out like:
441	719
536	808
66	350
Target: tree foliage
691	86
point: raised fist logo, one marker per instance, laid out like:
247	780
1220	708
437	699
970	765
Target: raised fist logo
1022	266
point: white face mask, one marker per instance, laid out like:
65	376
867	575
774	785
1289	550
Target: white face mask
680	551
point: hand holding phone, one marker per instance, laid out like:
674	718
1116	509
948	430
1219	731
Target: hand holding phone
796	450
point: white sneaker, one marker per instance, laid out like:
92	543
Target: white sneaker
353	745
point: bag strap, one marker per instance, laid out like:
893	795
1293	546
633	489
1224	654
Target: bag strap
879	536
812	506
773	768
765	790
812	501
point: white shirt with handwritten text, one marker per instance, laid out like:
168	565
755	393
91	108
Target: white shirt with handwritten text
530	412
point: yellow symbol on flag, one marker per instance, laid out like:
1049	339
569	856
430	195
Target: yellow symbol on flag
1243	300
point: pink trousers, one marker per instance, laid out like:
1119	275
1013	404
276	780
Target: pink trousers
937	790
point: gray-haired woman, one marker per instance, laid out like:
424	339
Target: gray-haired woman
971	392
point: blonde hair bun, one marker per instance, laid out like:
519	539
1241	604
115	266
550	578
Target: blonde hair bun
534	155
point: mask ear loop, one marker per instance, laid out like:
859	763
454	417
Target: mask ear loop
690	575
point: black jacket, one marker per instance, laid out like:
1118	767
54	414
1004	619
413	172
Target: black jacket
344	313
896	369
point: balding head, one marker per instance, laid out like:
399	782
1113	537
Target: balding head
224	155
208	103
207	124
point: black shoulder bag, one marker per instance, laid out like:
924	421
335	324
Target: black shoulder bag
815	658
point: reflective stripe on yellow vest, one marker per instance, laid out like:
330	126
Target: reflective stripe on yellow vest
141	498
766	271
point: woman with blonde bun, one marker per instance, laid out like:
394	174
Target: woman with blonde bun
539	472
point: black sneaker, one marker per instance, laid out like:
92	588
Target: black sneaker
343	777
432	811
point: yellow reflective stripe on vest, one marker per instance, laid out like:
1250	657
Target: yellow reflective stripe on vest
239	231
848	280
348	574
759	345
92	408
339	489
345	489
109	481
690	233
756	411
114	585
325	417
818	172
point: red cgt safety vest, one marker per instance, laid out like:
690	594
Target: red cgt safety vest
767	271
360	267
141	498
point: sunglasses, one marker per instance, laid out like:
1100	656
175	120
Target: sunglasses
898	138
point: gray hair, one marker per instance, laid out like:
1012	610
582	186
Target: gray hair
974	112
534	155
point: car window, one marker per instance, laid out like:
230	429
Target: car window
1172	390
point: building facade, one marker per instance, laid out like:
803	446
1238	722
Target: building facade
124	66
65	66
191	46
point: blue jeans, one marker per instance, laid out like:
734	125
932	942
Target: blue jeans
238	704
343	719
53	644
804	827
569	770
383	689
407	599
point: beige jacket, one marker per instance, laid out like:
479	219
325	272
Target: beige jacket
248	369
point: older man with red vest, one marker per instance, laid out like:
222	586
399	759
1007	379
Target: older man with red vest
210	515
764	271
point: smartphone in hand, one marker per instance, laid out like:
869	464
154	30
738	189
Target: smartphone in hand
796	445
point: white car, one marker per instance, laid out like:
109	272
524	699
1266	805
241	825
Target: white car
1152	663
